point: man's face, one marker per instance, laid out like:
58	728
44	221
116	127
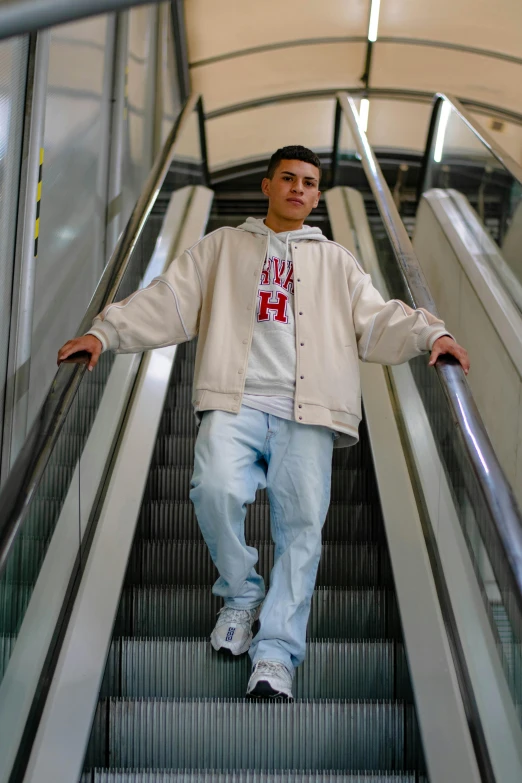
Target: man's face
293	191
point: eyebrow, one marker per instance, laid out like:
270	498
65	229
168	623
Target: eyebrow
292	174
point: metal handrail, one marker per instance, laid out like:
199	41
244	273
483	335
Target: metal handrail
504	158
496	490
25	475
19	17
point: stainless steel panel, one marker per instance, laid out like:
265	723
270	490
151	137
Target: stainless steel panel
72	218
13	70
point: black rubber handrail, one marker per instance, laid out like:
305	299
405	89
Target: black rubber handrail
503	157
504	513
25	475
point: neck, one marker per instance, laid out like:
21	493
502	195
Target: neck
278	224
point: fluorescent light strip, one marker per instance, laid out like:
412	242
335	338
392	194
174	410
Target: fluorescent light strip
364	110
441	131
374	20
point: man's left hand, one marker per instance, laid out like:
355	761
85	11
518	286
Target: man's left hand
447	344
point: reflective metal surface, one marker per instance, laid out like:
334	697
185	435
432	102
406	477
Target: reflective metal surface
30	465
71	253
483	494
25	16
13	72
461	154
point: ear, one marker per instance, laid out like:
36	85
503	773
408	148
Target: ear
317	199
265	187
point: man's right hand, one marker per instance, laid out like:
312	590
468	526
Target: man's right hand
88	343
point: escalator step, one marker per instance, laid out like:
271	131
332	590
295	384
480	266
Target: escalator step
6	647
191	611
79	421
172	483
245	776
68	449
355	523
189	563
180	396
190	668
25	561
241	734
56	481
14	599
42	517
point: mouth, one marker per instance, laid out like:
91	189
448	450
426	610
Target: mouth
295	201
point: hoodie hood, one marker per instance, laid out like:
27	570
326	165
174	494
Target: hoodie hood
283	238
257	226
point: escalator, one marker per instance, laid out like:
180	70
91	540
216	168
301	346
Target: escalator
378	699
170	703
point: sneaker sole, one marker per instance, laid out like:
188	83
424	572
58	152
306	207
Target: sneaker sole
222	647
263	690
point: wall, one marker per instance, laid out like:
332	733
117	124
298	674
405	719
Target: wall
79	172
71	244
13	69
445	252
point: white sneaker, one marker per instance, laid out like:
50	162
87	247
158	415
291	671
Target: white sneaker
270	679
233	630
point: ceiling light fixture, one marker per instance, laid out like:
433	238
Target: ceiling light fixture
364	110
441	131
374	20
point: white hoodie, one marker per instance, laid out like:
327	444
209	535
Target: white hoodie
272	363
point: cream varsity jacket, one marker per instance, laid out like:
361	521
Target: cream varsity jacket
210	292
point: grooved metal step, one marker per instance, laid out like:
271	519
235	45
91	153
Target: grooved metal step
6	647
25	560
246	776
172	709
14	599
173	483
240	734
355	523
42	517
190	669
189	563
182	612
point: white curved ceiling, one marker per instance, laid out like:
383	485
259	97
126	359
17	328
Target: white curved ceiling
245	53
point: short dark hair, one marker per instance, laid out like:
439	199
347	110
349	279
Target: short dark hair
293	152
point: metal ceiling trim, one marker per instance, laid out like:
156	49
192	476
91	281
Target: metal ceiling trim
417	96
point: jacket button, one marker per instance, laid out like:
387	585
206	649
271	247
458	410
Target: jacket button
300	418
240	372
302	377
249	307
245	342
302	344
236	398
300	406
300	313
298	279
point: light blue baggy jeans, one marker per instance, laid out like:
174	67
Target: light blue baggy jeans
235	455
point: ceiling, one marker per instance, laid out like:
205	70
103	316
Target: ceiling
268	70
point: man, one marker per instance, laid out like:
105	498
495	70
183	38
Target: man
281	314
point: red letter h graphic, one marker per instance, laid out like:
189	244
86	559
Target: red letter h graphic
277	307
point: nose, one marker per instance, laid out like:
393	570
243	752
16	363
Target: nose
298	188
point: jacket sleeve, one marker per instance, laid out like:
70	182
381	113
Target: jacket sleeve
389	332
164	313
